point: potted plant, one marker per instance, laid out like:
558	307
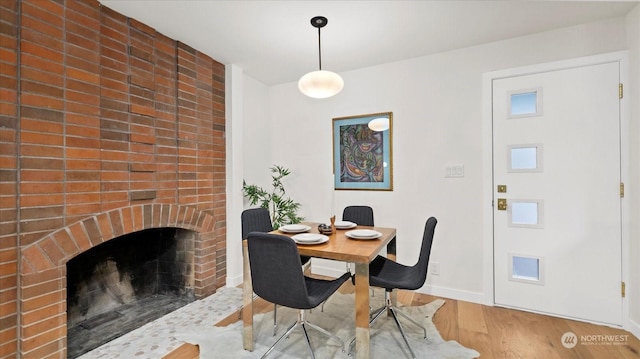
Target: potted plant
283	209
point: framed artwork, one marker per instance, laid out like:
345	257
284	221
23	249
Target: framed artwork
362	157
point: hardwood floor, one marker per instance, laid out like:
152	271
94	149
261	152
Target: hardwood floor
505	333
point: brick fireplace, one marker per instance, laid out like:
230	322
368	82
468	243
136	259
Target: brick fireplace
107	128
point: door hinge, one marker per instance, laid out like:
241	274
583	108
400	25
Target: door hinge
623	289
620	91
621	189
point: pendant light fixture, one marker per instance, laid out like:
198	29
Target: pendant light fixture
321	83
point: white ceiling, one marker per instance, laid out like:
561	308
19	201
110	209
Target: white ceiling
274	42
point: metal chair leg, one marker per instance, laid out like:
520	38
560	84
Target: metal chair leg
302	322
395	318
286	334
275	318
325	332
376	314
412	321
306	336
394	313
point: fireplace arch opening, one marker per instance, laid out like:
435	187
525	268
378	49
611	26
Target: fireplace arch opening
126	282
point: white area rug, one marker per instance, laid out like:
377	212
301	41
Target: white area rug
337	318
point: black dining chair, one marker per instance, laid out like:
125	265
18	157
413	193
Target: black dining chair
255	220
277	277
390	275
259	220
360	215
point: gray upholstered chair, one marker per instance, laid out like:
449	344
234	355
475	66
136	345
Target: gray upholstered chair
390	275
277	277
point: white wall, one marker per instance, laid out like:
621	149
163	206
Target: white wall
437	107
256	142
248	155
234	138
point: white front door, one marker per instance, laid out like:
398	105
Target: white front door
556	151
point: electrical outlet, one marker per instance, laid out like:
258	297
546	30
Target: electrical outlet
435	268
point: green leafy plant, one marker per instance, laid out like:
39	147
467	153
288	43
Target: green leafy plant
283	209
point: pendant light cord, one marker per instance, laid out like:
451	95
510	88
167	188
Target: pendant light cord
319	51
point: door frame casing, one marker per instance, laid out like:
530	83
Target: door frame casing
487	160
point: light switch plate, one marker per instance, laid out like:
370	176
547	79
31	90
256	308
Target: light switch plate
454	171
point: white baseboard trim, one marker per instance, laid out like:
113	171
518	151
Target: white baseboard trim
634	328
326	271
234	281
457	294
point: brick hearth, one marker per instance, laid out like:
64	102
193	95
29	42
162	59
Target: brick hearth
107	127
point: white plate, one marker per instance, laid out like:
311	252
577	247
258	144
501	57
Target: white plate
344	224
294	228
363	234
309	238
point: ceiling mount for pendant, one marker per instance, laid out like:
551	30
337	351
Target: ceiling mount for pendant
321	83
318	21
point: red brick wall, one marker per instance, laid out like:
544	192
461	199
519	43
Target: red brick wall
106	127
8	178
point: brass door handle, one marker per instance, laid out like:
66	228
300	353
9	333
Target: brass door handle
502	204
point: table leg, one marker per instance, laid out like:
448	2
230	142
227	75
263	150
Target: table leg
362	311
391	254
247	307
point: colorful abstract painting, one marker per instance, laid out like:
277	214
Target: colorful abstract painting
362	156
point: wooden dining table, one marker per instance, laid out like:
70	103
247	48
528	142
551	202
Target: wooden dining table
341	248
